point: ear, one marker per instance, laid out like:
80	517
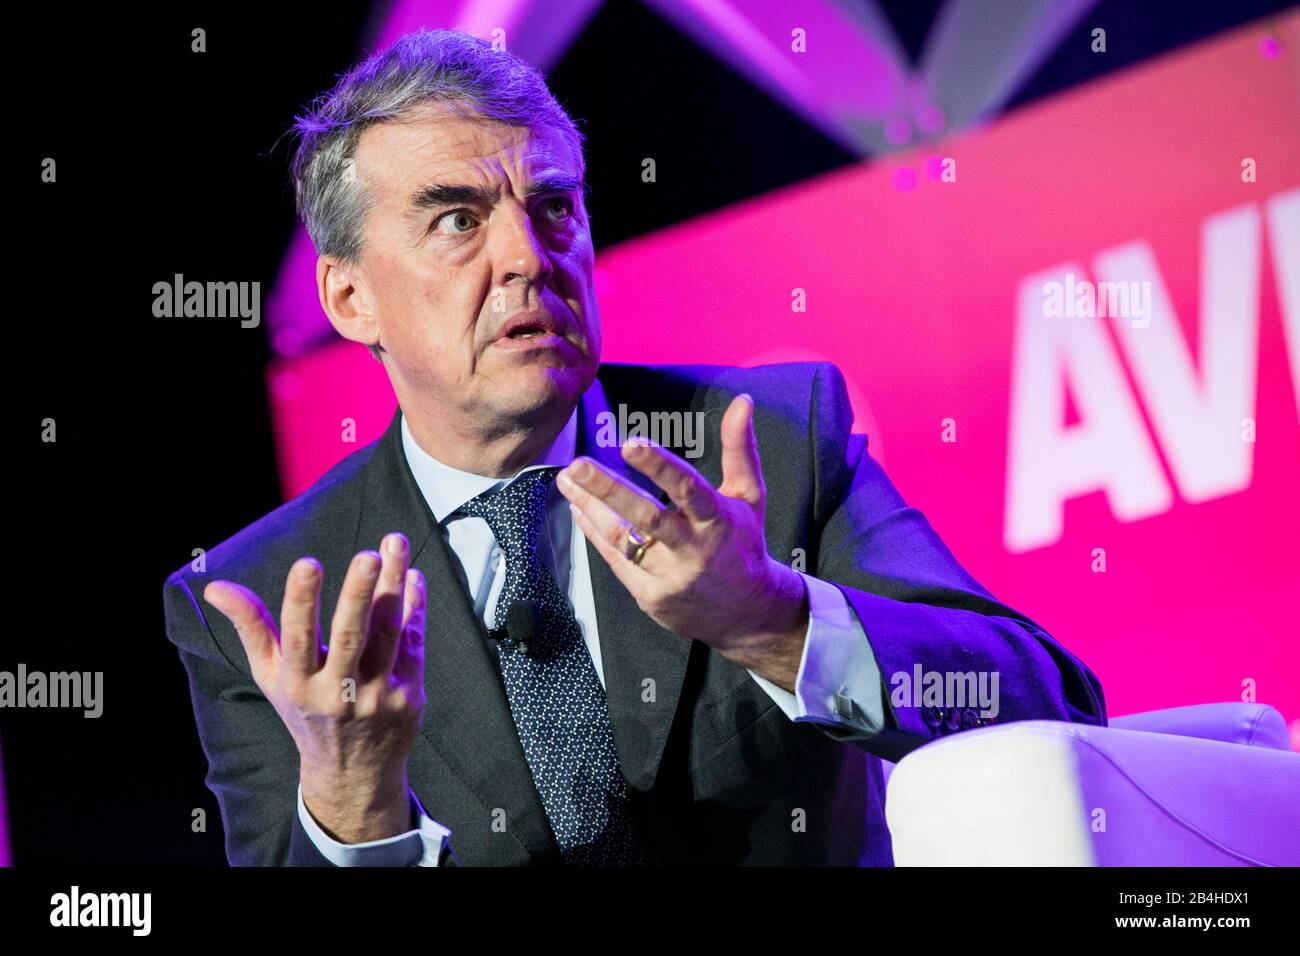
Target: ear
347	302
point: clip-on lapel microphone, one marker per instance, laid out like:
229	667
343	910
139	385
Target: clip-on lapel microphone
520	627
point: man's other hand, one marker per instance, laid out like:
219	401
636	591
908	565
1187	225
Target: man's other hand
708	575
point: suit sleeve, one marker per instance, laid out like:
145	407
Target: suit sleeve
252	760
918	606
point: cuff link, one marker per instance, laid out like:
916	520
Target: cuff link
843	704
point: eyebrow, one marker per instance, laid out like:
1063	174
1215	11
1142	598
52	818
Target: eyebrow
433	195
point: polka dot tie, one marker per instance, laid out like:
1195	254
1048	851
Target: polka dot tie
555	695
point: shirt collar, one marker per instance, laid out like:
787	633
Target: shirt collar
446	488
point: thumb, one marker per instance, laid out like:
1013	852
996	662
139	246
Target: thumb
742	472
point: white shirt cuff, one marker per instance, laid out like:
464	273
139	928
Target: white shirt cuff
421	846
839	680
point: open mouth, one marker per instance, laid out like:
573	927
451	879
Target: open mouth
532	330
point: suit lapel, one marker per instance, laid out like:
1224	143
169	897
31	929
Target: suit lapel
633	648
466	716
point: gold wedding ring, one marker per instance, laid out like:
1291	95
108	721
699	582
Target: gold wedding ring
636	545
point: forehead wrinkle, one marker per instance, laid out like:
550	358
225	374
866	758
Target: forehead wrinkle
526	148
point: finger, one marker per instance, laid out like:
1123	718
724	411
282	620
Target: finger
385	624
742	472
251	621
409	666
687	488
632	575
409	594
300	618
608	525
348	627
587	483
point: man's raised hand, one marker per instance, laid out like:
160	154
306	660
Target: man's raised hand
708	576
353	707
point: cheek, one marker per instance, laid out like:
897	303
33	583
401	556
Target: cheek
436	314
578	268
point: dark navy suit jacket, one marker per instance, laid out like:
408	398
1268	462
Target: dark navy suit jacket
717	772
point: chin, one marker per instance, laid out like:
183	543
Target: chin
539	389
571	377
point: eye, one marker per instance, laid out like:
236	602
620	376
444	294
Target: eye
462	221
565	208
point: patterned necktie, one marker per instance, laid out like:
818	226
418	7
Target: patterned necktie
555	695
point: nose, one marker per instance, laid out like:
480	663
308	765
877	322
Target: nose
517	252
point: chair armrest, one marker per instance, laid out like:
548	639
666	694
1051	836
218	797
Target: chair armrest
1257	725
1055	793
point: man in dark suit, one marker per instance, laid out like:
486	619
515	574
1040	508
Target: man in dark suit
572	647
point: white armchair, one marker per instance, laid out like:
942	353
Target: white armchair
1207	785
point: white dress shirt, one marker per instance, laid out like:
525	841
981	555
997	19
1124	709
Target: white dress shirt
838	681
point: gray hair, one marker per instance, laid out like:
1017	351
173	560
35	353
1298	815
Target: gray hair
460	71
